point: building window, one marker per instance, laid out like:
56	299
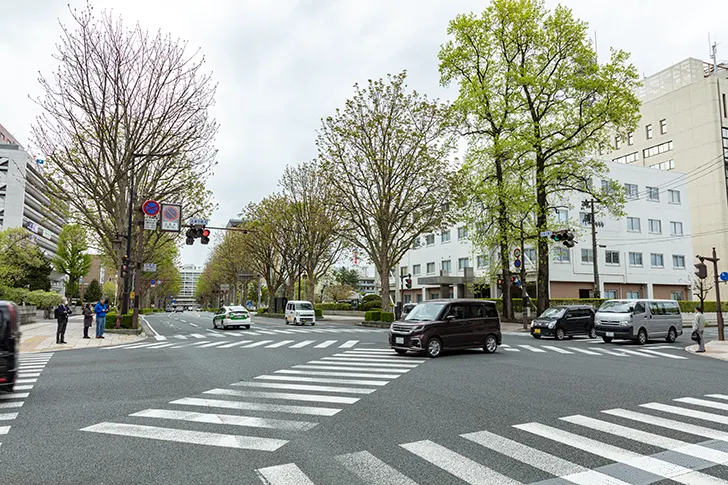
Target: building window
676	228
648	131
562	215
673	196
631	191
416	243
628	158
663	127
445	265
611	257
605	184
653	194
562	255
657	149
633	295
462	232
655	226
666	165
403	271
635	259
630	138
429	239
617	143
678	261
725	107
610	294
416	268
419	297
584	218
531	254
657	260
430	268
633	224
677	295
463	263
482	261
408	298
587	256
445	237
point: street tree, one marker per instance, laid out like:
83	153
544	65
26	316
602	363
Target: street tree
339	291
124	103
72	258
701	287
385	159
93	292
348	277
22	263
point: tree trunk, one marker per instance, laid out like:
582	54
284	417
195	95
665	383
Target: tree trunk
383	268
311	286
507	295
504	250
543	245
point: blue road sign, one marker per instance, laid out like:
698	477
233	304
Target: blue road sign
724	276
517	263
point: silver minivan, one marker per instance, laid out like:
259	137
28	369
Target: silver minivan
638	320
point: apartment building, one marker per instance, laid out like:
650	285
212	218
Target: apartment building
189	274
646	254
684	128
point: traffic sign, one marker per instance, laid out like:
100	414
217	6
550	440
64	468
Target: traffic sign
517	253
171	217
131	294
150	267
150	223
546	233
517	263
225	287
724	276
151	208
198	222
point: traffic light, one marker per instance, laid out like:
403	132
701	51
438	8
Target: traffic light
205	238
702	270
197	232
191	234
408	282
124	267
500	281
566	237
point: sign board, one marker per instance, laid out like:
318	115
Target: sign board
517	253
174	301
151	208
724	276
517	263
246	276
225	287
150	223
198	222
153	282
150	267
546	233
131	294
171	217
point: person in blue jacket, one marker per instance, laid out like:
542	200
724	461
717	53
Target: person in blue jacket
101	308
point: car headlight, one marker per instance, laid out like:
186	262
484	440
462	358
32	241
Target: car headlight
531	324
552	324
623	324
418	328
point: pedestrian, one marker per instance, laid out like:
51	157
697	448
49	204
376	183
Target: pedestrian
62	313
699	328
88	319
101	309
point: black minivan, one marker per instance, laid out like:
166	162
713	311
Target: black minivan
436	325
9	344
565	321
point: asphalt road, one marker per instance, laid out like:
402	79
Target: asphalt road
331	405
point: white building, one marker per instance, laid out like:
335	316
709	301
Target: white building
189	274
645	254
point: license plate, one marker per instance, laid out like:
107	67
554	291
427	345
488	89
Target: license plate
398	340
610	334
536	330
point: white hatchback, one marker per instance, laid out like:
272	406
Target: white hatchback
300	313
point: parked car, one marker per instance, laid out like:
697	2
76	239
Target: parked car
169	309
299	312
564	321
179	309
9	344
232	316
639	320
437	325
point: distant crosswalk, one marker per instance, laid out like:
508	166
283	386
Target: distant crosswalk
290	401
654	352
258	331
655	442
238	344
30	367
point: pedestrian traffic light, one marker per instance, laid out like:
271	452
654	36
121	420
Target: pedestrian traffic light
124	267
702	270
205	237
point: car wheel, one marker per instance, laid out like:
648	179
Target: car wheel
559	334
671	335
313	323
434	347
607	339
491	344
214	324
536	336
223	326
642	336
247	327
592	333
400	351
287	322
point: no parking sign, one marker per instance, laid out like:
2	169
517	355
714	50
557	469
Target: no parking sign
171	217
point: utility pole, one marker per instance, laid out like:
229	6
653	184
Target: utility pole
719	311
138	276
589	204
525	306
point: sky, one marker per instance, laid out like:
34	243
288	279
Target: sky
282	65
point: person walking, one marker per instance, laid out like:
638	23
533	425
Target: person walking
699	328
101	309
62	313
88	319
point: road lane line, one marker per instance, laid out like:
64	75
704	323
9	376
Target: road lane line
340	374
185	436
288	474
664	354
227	419
689	413
279	344
305	387
323	380
256	406
372	470
669	424
285	395
348	344
156	334
302	344
239	342
325	344
349	368
456	464
555	349
583	351
704	403
259	343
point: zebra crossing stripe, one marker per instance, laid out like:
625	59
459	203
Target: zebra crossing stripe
325	344
181	337
305	387
226	419
532	348
664	354
288	474
456	464
377	360
689	413
255	406
15	395
279	344
8	416
28	374
669	424
24	388
197	335
302	344
256	344
337	374
641	354
323	380
583	351
211	344
185	436
717	396
285	395
556	349
348	344
364	363
239	342
372	470
608	352
160	346
704	403
348	368
11	404
4	429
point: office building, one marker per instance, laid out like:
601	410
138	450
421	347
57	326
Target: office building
189	274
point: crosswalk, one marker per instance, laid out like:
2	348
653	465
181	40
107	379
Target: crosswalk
689	437
308	393
30	367
239	344
257	331
653	352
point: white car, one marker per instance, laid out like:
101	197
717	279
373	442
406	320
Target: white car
300	313
232	316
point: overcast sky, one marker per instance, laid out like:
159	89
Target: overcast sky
283	64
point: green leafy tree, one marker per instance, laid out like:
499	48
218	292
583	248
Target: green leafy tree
339	291
22	263
72	258
93	292
109	291
385	159
348	277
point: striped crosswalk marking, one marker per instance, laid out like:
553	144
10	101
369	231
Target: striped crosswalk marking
704	403
181	337
256	344
669	424
557	349
325	344
583	351
324	380
4	429
227	419
28	374
532	348
15	395
372	470
288	474
305	387
279	344
255	406
197	335
641	354
664	354
363	363
608	352
24	388
211	344
349	368
8	416
689	413
300	345
239	342
339	374
160	346
265	332
376	360
285	395
348	344
11	404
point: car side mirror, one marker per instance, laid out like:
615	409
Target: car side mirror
450	318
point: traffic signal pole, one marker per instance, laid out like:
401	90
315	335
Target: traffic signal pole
719	310
595	249
138	276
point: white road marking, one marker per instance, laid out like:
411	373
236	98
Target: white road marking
323	380
24	388
14	395
634	352
8	416
212	344
664	354
288	474
555	349
4	429
386	351
382	365
31	367
256	406
226	419
256	344
690	413
239	342
608	352
181	337
669	424
347	368
302	344
704	403
588	352
379	360
456	464
11	404
372	470
279	344
194	325
305	387
325	344
184	436
532	348
28	374
26	381
160	346
197	335
156	334
285	395
340	374
216	334
348	344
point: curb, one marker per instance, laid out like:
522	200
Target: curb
719	356
373	324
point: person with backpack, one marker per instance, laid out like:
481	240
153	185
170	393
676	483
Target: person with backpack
61	315
101	309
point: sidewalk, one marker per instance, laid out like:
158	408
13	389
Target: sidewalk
41	336
715	349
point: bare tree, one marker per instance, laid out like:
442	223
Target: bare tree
701	287
385	159
125	103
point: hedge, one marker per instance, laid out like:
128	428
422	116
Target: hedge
111	320
318	312
334	306
371	305
372	316
387	317
263	310
369	298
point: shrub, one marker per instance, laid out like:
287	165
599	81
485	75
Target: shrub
263	310
369	298
372	316
386	317
371	305
111	320
318	312
334	306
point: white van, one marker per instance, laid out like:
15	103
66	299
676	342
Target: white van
638	320
300	313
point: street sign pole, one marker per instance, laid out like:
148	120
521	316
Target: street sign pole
719	310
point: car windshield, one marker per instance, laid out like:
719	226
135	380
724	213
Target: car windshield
616	307
237	309
304	306
553	313
424	312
